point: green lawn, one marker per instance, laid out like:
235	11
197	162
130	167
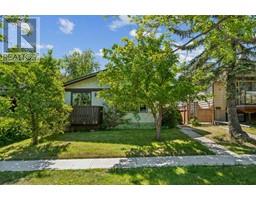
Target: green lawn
103	144
165	175
251	130
221	136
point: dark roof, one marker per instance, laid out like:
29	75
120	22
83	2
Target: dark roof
81	78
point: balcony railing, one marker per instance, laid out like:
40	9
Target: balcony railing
247	98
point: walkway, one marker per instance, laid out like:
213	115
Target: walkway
222	157
216	148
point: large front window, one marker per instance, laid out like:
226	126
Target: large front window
246	93
81	98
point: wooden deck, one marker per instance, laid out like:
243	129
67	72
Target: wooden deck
86	116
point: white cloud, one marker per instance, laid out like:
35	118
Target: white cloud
133	32
66	26
185	56
45	46
99	53
75	50
121	21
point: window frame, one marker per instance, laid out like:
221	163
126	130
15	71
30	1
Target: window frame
75	92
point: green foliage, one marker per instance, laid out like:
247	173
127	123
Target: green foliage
39	95
112	117
143	72
79	64
218	45
12	131
171	118
215	43
194	121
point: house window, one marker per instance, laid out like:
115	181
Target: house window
81	98
143	109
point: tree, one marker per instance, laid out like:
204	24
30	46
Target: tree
79	64
38	93
142	72
226	47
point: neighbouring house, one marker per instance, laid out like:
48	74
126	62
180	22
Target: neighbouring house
82	94
215	109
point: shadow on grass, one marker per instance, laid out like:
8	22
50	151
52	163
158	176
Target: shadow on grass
143	143
172	142
193	175
31	152
136	137
131	137
12	178
169	148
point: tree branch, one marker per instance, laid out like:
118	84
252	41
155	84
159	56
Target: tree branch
201	34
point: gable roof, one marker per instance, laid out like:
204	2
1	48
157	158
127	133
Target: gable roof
76	80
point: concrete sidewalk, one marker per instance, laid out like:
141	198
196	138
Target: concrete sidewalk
106	163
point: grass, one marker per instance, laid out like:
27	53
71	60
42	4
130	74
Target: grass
165	176
251	130
220	135
104	144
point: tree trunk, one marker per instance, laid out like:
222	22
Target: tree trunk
158	124
235	129
34	129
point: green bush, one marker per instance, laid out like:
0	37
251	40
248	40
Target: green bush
194	121
171	118
112	118
11	131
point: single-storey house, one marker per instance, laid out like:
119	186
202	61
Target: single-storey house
82	95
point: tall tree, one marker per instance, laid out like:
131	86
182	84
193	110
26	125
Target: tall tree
143	72
78	64
38	93
226	47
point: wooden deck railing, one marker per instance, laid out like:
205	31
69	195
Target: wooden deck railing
86	115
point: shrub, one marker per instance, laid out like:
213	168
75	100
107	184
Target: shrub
171	118
194	121
11	131
112	117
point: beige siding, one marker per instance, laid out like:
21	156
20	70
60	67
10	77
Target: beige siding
87	83
143	118
219	101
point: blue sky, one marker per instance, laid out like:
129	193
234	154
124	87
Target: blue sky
67	33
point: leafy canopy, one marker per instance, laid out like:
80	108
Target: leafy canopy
142	72
37	92
214	42
79	64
